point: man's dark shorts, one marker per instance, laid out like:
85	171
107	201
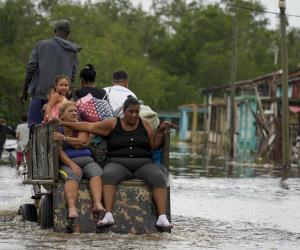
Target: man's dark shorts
35	111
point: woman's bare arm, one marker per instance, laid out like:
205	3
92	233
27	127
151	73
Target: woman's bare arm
67	161
102	128
157	137
53	100
81	141
17	135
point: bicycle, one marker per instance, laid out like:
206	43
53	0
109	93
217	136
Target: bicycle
23	164
11	158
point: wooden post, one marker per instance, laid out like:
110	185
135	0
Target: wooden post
285	85
194	123
233	80
209	109
184	120
261	110
205	121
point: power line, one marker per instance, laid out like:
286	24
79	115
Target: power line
254	9
251	9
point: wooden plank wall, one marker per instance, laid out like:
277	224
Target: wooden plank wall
53	152
33	154
30	163
166	146
43	156
166	163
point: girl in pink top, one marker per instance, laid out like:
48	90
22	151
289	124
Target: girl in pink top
60	96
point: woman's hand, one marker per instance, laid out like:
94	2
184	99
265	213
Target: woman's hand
58	136
156	139
76	169
166	125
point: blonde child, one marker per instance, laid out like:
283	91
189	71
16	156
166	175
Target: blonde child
59	97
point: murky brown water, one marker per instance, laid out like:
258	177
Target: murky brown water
213	207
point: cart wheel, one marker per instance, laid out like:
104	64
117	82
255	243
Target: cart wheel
28	212
46	212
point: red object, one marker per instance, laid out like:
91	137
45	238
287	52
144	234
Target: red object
92	109
294	109
20	156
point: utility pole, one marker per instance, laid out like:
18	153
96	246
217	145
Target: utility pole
285	85
232	89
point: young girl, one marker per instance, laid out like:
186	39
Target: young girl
59	97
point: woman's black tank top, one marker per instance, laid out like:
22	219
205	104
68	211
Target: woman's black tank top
129	144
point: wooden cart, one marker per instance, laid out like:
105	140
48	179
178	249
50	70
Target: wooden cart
134	210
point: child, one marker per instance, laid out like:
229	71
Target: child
56	99
22	135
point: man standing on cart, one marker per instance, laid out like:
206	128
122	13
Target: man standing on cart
49	58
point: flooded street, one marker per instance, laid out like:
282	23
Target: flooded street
214	206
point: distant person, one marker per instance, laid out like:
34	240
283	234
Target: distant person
57	98
22	136
4	131
49	58
118	93
88	86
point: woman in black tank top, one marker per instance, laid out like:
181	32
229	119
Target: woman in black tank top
130	140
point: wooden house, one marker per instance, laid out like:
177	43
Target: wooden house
257	113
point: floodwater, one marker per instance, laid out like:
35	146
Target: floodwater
214	206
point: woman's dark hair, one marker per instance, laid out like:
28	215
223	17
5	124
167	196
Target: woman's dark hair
130	101
88	73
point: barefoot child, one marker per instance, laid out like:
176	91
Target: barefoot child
59	97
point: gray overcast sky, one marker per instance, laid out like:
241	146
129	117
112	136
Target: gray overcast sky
292	7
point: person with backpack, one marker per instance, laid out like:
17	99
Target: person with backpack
88	86
118	93
87	75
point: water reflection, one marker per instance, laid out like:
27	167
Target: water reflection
189	161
